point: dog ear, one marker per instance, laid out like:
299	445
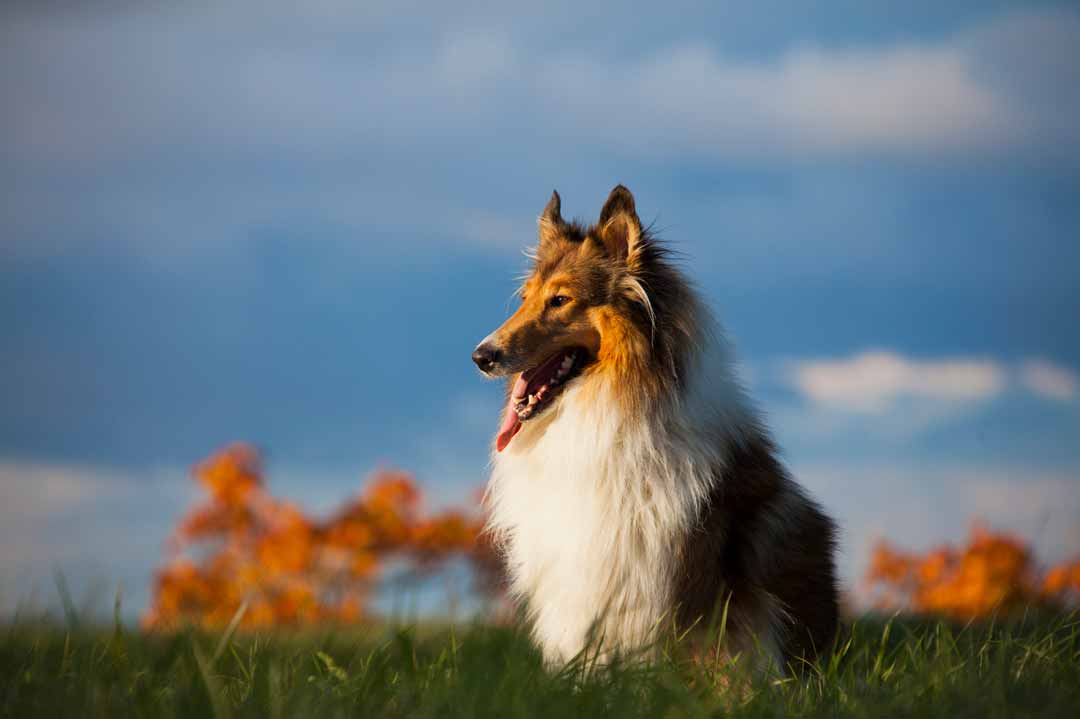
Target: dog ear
551	223
619	229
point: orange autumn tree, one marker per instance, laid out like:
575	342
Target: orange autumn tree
993	572
242	546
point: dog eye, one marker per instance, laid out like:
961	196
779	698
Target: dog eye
558	300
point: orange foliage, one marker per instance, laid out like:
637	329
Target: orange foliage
243	545
994	572
1063	581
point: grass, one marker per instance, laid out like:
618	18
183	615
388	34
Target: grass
1023	668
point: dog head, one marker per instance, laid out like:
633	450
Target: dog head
587	306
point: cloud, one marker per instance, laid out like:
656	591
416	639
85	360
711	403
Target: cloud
218	80
32	492
52	512
92	523
203	125
808	102
1024	500
885	404
1049	380
920	504
872	381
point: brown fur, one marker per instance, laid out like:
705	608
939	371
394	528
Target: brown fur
762	547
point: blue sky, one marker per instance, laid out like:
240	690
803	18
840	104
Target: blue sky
290	226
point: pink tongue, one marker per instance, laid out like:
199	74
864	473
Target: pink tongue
510	424
509	428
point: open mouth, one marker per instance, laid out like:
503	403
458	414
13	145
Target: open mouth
535	388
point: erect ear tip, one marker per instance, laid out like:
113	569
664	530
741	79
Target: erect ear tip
550	221
554	206
621	193
619	200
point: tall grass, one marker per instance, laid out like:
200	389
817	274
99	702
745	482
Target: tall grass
1023	667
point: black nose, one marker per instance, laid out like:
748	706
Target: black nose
485	357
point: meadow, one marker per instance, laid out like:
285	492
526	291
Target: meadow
1028	666
260	610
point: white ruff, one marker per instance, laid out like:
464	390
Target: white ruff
592	507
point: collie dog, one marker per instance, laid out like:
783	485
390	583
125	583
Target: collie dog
633	486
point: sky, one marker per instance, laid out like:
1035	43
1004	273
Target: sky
291	224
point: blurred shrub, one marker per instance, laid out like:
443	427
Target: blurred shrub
993	572
241	544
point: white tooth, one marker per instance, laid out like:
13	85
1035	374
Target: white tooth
567	362
532	400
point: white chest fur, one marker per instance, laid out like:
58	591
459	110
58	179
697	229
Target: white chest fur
592	507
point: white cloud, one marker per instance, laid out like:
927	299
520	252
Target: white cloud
919	505
220	80
872	381
51	512
32	492
1020	499
1049	380
816	101
371	113
94	524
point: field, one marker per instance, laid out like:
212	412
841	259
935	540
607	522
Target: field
1024	667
